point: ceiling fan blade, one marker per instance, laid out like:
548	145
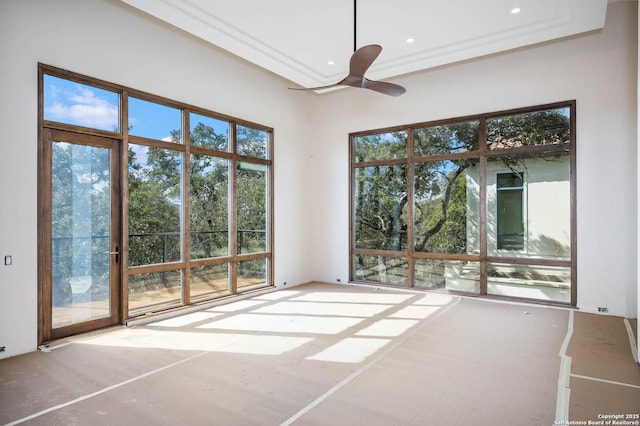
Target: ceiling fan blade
384	87
360	62
362	59
317	88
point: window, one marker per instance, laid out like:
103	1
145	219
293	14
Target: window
478	205
80	104
510	211
191	207
153	120
380	207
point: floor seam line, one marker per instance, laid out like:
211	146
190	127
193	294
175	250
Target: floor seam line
103	390
365	367
611	382
564	376
632	340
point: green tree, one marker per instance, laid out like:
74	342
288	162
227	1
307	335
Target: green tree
80	220
381	197
252	207
441	207
154	205
209	183
439	186
251	142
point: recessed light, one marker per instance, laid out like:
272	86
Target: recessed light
330	62
411	40
516	10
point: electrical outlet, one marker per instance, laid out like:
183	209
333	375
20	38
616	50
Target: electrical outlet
337	280
8	260
3	348
603	309
284	283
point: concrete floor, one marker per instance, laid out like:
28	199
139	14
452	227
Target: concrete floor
323	354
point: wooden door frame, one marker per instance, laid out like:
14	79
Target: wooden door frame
45	330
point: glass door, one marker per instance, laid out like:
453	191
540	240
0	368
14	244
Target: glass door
81	224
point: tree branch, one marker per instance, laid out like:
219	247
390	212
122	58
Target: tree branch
443	211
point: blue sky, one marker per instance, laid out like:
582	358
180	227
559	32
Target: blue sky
153	120
75	103
79	104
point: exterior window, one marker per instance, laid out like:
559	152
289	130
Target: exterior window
380	208
170	204
154	121
478	205
80	104
510	215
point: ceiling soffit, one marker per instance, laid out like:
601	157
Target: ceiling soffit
297	39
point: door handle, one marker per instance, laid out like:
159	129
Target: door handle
115	253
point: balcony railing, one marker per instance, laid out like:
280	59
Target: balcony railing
88	252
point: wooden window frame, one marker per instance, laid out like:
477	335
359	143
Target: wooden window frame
521	191
482	154
185	148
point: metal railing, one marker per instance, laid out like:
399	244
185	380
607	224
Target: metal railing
160	247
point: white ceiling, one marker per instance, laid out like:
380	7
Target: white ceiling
296	39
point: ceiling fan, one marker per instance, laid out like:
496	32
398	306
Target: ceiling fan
360	62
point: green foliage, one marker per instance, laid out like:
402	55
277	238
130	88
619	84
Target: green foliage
155	199
380	201
441	207
80	220
380	146
251	142
209	206
446	139
252	207
534	128
205	136
440	187
154	206
81	209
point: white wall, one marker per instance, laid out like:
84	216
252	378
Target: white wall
109	40
547	208
597	69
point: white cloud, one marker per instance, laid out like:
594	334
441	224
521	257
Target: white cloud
83	107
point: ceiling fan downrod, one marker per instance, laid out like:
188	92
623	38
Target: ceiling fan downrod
360	62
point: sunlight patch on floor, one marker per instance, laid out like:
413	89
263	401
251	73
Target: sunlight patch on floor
353	297
286	320
350	350
194	341
387	328
415	312
283	324
322	308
